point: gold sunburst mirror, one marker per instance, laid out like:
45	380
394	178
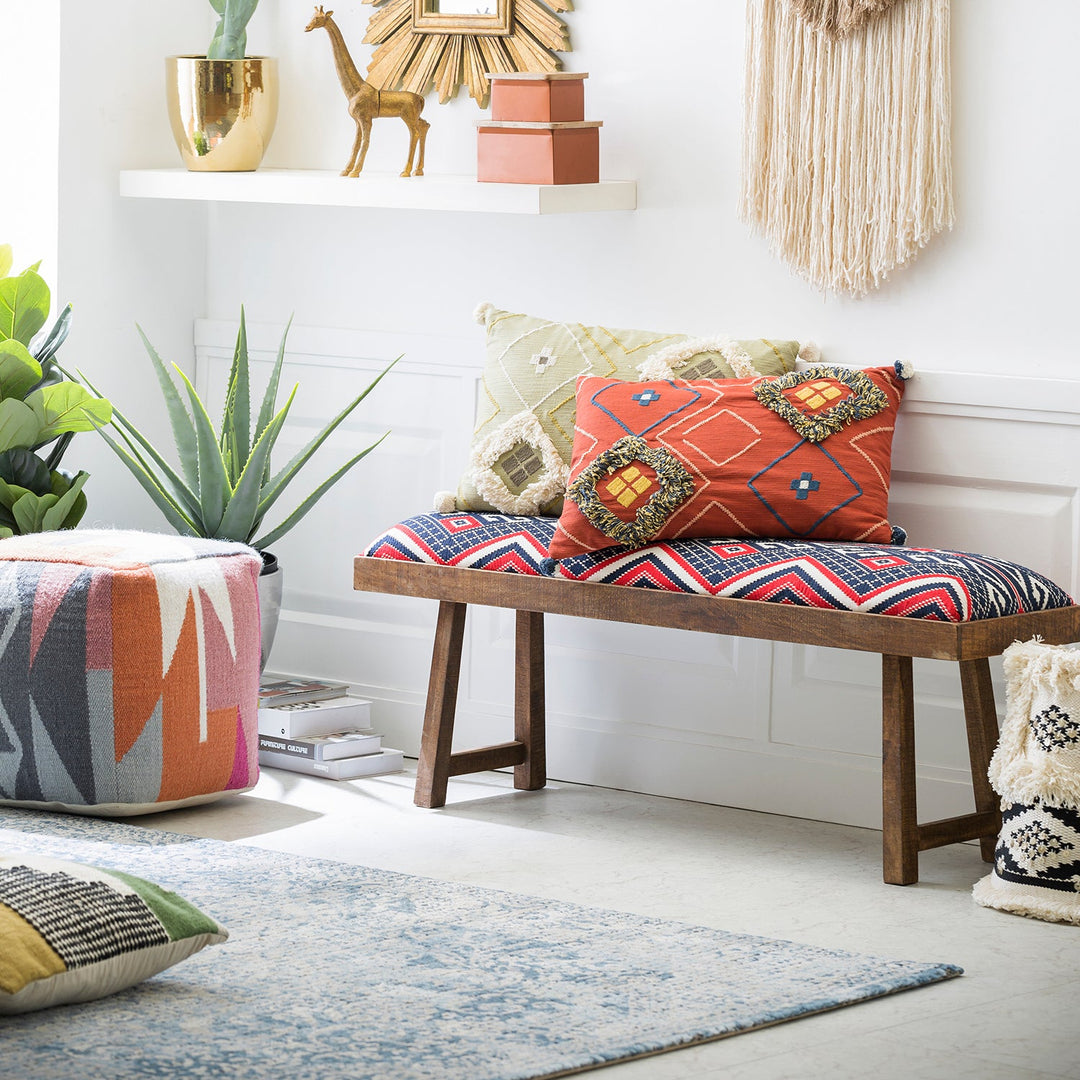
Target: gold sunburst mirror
445	43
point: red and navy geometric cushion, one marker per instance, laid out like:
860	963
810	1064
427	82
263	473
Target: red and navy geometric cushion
912	583
508	542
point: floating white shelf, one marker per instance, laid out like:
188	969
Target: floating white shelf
313	188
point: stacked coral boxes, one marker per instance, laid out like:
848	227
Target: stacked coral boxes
538	133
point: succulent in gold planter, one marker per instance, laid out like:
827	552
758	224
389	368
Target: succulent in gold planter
223	106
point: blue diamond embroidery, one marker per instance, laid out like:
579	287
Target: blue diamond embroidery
803	485
646	397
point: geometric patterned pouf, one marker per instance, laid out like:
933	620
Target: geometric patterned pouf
129	671
1036	771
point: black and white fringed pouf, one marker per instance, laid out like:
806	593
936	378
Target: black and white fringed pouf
1036	771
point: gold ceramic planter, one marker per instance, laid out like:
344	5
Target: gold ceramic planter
222	111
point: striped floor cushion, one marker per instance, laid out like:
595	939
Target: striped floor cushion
913	583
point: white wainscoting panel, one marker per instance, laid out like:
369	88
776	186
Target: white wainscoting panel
983	464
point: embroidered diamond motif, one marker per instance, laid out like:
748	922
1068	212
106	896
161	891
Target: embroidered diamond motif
820	392
1055	729
804	484
1035	840
459	524
520	464
617	399
707	367
544	359
818	402
879	562
646	397
732	551
628	485
626	463
788	503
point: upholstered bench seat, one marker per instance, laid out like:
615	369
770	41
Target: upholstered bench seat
913	583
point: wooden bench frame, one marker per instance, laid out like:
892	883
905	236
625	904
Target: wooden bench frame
898	640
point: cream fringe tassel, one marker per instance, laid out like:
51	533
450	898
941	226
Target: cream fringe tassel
846	144
840	17
1038	903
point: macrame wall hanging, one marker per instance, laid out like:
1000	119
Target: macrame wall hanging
846	142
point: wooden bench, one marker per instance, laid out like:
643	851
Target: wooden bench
898	640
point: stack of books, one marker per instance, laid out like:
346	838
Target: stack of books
318	728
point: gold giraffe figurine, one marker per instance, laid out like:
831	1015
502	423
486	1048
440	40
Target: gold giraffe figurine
366	103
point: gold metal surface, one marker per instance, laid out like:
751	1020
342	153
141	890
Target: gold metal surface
366	103
222	111
431	17
418	46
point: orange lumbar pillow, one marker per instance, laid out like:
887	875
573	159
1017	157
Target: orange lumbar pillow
805	455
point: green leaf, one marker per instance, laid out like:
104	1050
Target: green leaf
275	534
236	420
67	406
182	427
30	511
55	338
269	402
149	483
19	425
5	254
9	494
57	451
166	476
19	371
277	485
242	516
24	306
26	469
59	515
214	488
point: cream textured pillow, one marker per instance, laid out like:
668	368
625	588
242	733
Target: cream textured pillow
71	932
524	435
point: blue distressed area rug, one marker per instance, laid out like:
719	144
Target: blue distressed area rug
335	971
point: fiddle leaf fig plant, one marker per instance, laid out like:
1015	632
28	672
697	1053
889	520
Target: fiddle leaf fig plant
225	483
40	410
230	36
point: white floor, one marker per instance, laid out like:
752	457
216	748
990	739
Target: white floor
1013	1014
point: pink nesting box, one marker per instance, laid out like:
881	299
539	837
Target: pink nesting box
540	97
521	152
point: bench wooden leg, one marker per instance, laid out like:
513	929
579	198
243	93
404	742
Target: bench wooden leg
980	715
529	700
900	845
433	768
903	836
525	753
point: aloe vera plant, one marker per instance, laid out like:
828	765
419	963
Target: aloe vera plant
230	36
225	484
40	410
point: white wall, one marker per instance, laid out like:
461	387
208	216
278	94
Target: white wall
994	296
28	178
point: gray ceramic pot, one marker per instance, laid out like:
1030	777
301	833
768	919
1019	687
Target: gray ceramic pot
269	602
